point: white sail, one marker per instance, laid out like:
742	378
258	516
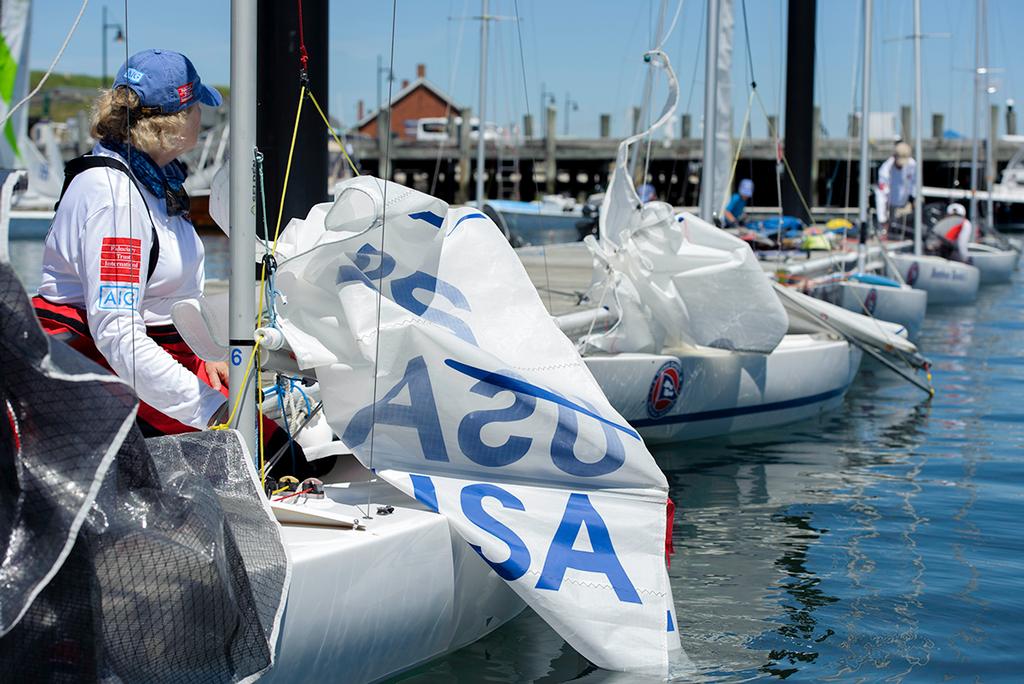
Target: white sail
441	370
723	104
676	283
14	76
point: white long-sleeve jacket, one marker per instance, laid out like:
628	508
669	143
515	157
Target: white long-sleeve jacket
96	257
895	187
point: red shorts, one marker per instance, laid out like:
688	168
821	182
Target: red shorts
70	323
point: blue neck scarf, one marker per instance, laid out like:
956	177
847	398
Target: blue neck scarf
166	183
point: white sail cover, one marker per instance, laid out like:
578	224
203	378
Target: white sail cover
455	385
676	282
14	23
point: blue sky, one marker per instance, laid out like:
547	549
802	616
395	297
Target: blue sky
590	49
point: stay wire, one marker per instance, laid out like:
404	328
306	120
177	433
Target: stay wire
533	159
131	218
380	274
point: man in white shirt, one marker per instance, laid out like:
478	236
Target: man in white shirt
894	194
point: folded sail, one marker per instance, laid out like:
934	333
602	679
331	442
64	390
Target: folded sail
676	282
442	371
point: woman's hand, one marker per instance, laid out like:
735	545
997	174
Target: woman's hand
217	371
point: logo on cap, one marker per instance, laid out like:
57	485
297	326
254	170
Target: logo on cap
134	75
185	93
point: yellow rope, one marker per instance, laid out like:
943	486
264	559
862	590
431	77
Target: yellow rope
288	169
238	399
334	135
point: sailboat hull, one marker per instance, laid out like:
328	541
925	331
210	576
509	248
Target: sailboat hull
703	392
994	265
903	305
947	282
367	604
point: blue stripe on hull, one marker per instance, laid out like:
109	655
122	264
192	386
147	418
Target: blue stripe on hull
739	410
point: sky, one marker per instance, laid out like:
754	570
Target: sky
589	51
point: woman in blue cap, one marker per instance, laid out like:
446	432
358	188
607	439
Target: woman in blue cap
122	250
737	207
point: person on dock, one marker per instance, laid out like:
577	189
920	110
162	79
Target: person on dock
122	250
894	194
735	212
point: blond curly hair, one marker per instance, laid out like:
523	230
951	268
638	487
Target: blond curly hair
155	134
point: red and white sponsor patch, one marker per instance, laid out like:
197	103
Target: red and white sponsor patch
185	93
120	259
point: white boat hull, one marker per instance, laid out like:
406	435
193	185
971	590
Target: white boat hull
721	392
903	305
994	265
367	604
947	282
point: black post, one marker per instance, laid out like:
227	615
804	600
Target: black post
799	134
278	95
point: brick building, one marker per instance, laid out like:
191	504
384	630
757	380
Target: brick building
419	99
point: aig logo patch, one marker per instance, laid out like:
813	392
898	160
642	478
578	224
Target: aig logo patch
134	75
665	389
118	297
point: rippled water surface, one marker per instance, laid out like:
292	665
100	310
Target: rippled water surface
879	543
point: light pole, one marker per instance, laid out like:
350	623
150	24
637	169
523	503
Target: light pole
570	105
118	38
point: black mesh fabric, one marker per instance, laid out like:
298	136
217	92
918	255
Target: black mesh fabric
123	559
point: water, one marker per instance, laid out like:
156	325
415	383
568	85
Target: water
880	543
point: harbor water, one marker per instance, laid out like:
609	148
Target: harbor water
879	542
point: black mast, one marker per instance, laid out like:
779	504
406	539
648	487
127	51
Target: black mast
278	68
799	136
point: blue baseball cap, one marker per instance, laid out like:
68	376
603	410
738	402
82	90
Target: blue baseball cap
165	80
747	187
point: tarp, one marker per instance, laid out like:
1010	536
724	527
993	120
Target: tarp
440	368
123	560
676	283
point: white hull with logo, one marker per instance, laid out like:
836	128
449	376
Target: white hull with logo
904	305
722	392
947	282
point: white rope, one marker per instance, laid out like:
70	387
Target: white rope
49	70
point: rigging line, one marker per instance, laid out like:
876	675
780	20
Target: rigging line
739	150
131	218
533	159
672	26
334	134
750	55
53	64
383	232
452	70
689	101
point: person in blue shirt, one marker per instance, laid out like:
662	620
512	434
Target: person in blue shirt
737	206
